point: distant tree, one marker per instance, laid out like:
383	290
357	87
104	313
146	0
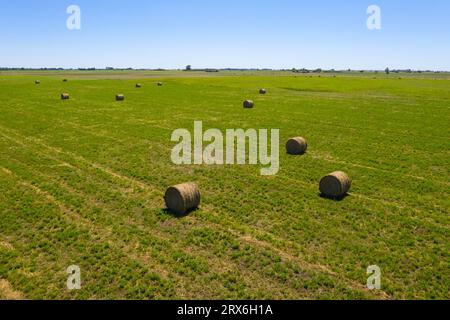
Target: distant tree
387	71
188	67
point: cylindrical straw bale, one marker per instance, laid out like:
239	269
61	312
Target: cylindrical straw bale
296	146
335	185
182	198
248	104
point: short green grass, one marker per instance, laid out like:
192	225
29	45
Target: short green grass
82	182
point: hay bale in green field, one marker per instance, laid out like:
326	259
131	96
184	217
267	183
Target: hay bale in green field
248	104
182	198
120	97
138	85
37	82
160	84
335	185
262	91
65	96
296	146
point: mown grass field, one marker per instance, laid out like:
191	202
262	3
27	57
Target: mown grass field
82	183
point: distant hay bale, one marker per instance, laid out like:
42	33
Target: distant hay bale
65	96
37	82
248	104
335	185
262	91
138	85
120	97
296	146
160	84
182	198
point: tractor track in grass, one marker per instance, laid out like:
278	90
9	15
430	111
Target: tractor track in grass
145	186
119	176
243	236
325	123
316	156
220	265
105	233
273	235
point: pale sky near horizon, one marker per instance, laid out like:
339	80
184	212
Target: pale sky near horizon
232	33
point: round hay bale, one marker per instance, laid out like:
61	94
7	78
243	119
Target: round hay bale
37	82
65	96
120	97
138	85
296	146
160	84
262	91
182	198
248	104
335	185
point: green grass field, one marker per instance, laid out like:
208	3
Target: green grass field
82	183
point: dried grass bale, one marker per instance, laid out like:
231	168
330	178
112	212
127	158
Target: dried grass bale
296	146
248	104
182	198
262	91
120	97
138	85
335	185
65	96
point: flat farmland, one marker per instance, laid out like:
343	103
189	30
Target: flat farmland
82	183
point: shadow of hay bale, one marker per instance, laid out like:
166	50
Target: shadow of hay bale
338	199
177	214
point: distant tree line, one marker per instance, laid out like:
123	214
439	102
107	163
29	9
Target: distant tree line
189	68
387	71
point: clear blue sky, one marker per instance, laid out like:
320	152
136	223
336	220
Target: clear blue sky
226	33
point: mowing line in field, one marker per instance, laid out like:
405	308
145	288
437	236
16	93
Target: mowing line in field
147	187
120	176
65	209
303	265
101	232
106	234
